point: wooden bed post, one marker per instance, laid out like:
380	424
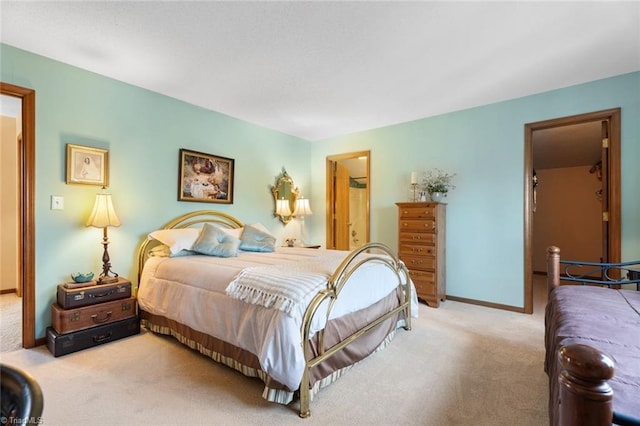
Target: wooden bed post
553	268
586	399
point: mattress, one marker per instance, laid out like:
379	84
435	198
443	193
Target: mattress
606	319
191	291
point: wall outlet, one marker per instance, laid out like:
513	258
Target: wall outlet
57	202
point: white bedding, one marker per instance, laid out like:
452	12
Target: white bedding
191	290
288	286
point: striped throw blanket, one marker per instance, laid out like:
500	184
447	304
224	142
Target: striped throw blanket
288	287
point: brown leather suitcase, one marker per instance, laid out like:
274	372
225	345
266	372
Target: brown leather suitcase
77	297
69	320
63	344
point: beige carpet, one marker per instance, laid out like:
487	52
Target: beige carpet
460	365
10	322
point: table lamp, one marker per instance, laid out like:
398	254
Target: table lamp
302	209
104	216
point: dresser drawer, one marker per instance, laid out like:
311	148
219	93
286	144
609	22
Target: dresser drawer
419	262
418	237
418	224
418	250
422	276
425	286
417	212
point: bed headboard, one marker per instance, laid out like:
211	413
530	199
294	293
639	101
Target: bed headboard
612	275
187	220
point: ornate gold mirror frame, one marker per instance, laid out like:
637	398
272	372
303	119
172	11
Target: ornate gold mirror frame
285	193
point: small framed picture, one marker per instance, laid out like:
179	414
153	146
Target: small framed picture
205	178
87	165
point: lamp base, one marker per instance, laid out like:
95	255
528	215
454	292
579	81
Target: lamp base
107	279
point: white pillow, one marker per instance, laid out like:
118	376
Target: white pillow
176	239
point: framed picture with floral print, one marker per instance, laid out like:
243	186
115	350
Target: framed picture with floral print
205	178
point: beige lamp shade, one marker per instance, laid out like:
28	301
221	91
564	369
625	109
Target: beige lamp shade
103	213
302	207
282	208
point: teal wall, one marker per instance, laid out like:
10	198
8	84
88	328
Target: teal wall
485	147
144	130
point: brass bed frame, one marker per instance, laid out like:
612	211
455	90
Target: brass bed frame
376	253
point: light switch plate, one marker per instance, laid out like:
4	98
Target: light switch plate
57	202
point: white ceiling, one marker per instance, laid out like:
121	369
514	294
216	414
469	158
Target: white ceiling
318	69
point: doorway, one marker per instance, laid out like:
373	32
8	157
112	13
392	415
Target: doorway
348	192
10	291
608	122
26	209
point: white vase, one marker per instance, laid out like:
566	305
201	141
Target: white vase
437	197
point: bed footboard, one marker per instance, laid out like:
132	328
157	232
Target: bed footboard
375	252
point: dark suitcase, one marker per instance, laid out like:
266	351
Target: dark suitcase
69	320
63	344
77	297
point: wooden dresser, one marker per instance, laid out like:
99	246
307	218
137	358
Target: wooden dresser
421	246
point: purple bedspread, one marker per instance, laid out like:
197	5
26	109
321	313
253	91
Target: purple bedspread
606	319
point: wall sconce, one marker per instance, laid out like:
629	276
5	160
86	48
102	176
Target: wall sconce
302	209
103	216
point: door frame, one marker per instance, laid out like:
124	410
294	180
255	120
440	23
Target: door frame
613	176
26	182
330	194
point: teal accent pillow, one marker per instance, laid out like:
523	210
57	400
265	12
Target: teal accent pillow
212	241
254	239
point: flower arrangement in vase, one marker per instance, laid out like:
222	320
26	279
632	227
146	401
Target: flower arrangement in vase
437	183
